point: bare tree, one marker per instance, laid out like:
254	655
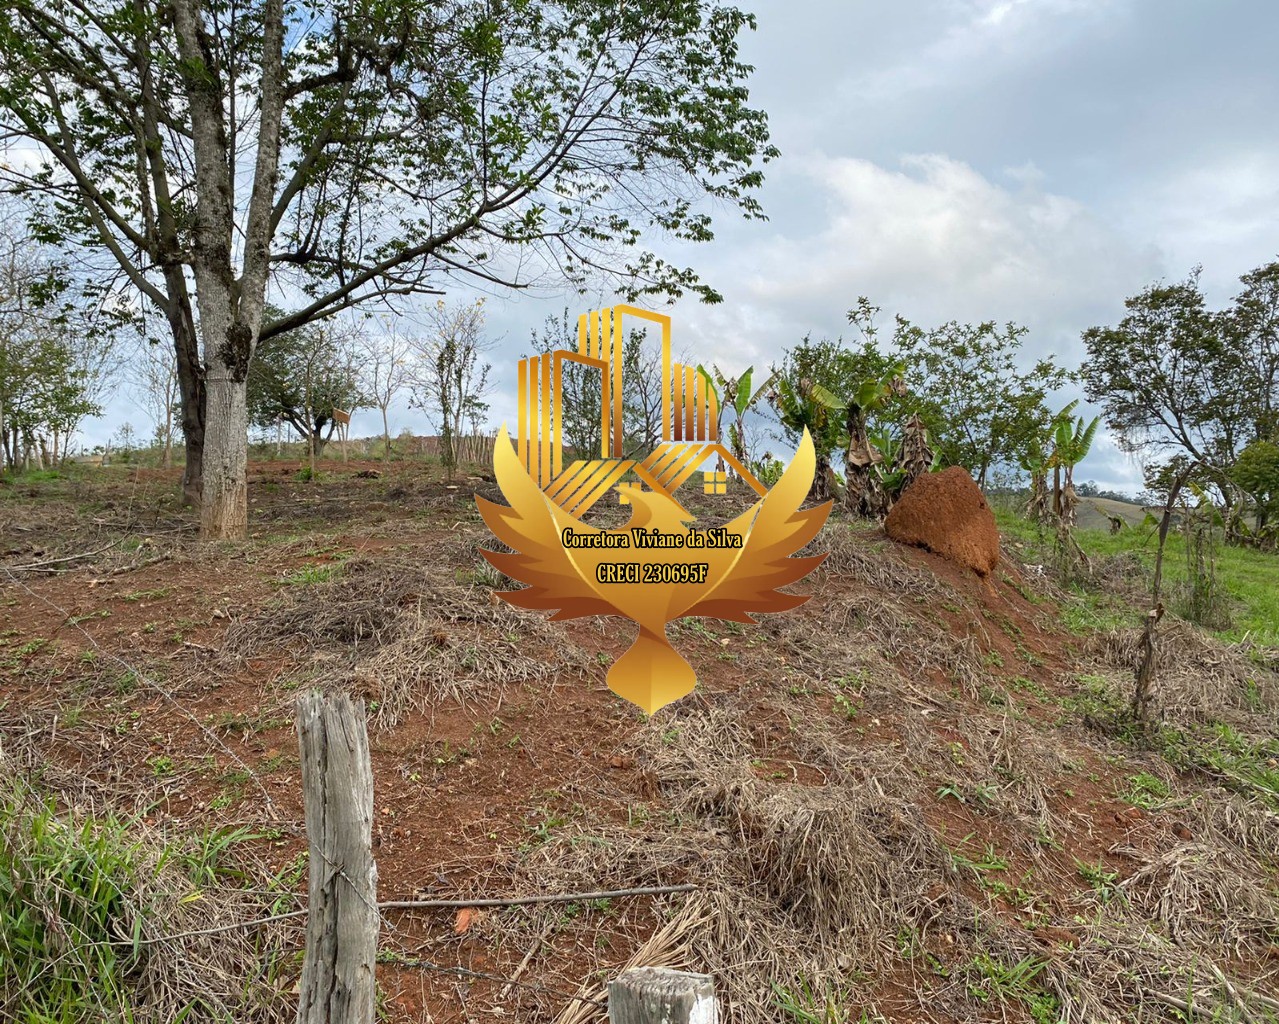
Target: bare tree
154	373
384	370
450	378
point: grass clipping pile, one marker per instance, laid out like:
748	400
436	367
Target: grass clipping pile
842	895
402	634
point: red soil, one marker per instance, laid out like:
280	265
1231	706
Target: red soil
945	513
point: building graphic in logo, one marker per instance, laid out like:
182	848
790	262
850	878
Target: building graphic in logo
690	419
658	567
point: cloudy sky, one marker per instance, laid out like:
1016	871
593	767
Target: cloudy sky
1027	160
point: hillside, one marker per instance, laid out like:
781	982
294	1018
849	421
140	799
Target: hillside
915	798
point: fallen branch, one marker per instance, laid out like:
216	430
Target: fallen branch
514	901
120	570
35	566
523	901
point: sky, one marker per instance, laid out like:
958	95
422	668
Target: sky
1034	161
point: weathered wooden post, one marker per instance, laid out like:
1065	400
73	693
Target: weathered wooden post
658	995
338	985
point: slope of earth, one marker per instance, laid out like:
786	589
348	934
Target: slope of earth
916	797
1095	513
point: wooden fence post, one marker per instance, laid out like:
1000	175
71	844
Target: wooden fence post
658	995
338	985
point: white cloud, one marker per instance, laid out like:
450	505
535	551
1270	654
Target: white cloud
1222	212
936	241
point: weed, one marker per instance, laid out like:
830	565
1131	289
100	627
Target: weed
161	766
982	861
310	575
1103	882
847	705
147	595
101	613
1146	791
805	1005
989	978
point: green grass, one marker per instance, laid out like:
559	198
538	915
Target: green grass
1217	750
76	897
309	575
1146	791
1246	575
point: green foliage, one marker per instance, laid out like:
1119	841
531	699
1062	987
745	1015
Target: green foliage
767	470
737	393
806	1003
964	382
301	376
1248	766
1146	790
990	978
1257	472
76	900
1177	378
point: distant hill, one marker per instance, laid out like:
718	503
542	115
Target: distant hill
1091	514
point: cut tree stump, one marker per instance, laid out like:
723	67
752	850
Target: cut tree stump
338	985
658	995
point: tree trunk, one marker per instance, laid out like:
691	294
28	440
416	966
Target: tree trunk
1144	681
224	508
191	391
823	487
386	436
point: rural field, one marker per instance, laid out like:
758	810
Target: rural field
918	797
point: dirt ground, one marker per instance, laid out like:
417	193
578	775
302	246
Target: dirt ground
901	801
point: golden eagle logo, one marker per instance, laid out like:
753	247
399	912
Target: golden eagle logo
736	583
658	567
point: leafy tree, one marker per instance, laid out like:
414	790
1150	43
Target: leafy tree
1164	377
1252	332
51	371
964	382
1257	472
357	153
45	394
300	377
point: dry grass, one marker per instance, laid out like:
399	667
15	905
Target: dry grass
403	635
1198	677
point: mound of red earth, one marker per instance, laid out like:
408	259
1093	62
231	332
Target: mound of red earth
946	513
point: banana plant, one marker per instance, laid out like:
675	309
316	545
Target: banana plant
864	493
735	393
1071	443
808	405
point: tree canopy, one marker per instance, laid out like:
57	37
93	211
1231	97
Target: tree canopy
353	153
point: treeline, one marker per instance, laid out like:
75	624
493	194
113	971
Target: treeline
1192	392
53	369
